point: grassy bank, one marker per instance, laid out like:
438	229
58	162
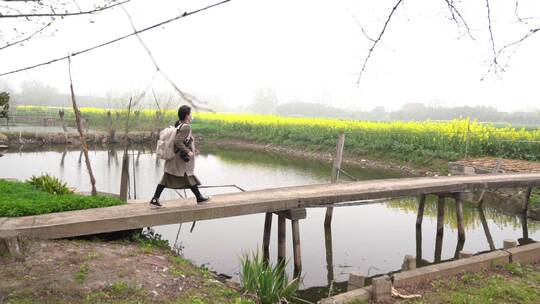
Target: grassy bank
418	142
513	283
140	271
20	199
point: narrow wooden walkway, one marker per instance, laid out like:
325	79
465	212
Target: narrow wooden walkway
132	216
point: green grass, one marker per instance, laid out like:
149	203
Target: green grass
80	276
21	199
514	283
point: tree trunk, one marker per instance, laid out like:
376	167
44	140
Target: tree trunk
81	132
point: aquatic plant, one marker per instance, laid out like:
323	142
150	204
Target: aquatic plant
269	282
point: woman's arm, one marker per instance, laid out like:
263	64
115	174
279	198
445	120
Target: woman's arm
181	135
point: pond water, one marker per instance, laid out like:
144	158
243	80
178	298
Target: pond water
372	239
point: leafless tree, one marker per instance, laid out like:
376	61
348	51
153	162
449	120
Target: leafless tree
23	20
501	53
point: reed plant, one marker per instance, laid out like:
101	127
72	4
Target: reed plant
268	282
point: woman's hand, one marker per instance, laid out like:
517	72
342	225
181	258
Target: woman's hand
191	154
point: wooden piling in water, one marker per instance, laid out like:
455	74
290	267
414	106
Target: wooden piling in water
421	206
486	228
440	227
124	179
295	225
281	239
336	166
527	199
266	237
459	217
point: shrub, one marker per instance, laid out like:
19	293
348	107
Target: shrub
49	184
269	283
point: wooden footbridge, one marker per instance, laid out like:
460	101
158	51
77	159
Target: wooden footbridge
283	201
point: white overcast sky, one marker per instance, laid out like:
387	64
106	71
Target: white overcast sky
305	50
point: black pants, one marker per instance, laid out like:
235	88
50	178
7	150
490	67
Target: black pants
160	188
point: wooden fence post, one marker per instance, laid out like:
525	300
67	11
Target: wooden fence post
335	173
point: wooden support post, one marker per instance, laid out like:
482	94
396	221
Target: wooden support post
335	173
124	178
421	206
295	225
329	254
525	239
281	239
486	228
418	246
266	237
440	228
527	199
459	217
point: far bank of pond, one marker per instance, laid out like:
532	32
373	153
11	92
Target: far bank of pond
372	239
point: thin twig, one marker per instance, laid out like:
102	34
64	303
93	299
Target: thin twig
27	37
157	25
65	14
376	41
455	12
495	63
360	26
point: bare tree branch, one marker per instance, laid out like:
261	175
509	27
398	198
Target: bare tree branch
456	14
53	13
188	98
360	26
495	64
185	14
27	37
376	41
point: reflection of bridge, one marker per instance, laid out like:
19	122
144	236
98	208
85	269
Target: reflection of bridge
132	216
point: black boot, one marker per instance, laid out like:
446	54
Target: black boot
155	200
200	198
154	203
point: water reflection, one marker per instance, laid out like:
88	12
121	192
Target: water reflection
370	239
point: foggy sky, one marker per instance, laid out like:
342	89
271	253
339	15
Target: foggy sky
305	50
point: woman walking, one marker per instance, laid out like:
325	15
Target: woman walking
179	169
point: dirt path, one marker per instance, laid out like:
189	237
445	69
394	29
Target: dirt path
96	271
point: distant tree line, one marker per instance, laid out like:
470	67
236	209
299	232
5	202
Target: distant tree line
411	111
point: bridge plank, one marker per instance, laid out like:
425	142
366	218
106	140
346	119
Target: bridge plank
132	216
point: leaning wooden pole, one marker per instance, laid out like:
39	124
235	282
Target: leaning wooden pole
81	133
124	179
336	166
266	237
486	228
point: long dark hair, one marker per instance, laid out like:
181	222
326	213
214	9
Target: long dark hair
183	112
